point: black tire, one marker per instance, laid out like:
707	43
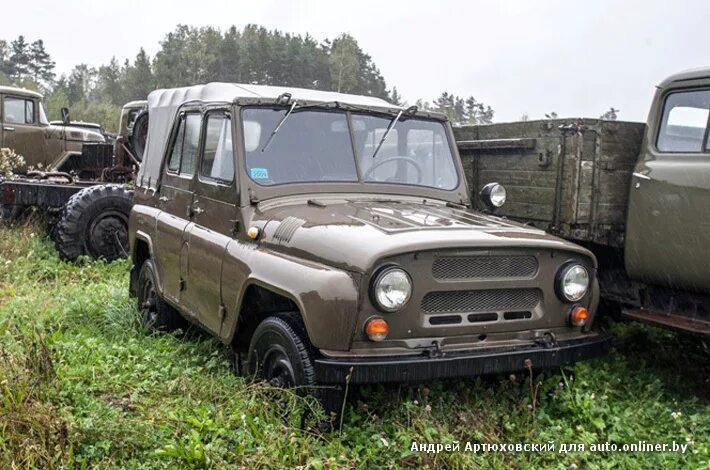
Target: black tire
94	222
154	311
281	354
10	212
139	134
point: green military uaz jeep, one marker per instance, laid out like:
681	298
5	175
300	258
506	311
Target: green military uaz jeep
330	237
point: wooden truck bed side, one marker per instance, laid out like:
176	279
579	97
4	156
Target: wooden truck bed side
570	177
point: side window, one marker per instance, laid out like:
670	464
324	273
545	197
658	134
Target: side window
176	153
183	155
191	144
29	112
684	121
19	111
218	157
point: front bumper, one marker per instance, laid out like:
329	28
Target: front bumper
488	361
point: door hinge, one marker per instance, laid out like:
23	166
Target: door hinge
222	312
182	284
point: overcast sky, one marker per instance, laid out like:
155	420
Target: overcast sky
575	58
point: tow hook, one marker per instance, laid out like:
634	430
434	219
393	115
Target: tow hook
435	350
548	340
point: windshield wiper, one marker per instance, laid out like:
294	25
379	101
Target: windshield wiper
393	122
278	126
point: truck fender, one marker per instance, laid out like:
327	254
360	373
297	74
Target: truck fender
326	297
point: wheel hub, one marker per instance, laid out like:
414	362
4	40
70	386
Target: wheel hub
108	236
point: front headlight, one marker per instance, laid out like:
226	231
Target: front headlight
572	282
493	195
391	289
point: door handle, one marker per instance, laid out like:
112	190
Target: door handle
640	176
164	199
197	210
9	129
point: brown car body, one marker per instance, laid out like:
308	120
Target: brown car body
228	255
31	135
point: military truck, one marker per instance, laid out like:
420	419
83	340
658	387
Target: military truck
26	130
637	195
329	238
68	168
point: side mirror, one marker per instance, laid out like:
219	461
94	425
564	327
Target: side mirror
65	116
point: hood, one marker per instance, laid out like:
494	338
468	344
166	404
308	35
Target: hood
354	233
76	134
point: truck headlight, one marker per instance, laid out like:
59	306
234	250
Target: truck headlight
572	282
493	195
391	289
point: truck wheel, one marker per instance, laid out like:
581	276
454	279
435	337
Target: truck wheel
10	212
94	222
154	311
281	354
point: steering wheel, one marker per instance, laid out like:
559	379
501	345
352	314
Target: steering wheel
408	160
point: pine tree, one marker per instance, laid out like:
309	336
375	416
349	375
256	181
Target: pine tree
5	71
110	83
41	65
19	58
395	97
139	78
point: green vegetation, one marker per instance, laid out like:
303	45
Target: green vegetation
83	385
191	55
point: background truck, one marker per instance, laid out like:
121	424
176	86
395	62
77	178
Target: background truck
72	174
637	195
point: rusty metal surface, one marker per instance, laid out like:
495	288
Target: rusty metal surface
669	320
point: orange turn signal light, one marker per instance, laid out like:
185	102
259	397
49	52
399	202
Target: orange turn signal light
376	329
579	316
253	232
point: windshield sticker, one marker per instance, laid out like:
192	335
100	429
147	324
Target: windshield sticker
259	174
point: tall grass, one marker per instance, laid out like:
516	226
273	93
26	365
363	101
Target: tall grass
82	384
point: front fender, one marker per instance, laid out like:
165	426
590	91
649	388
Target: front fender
326	297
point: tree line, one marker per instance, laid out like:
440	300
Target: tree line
190	55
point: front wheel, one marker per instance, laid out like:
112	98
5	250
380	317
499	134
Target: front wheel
281	354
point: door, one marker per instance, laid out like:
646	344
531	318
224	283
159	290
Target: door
21	129
668	227
215	217
175	199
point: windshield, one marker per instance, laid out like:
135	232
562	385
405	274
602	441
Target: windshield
316	146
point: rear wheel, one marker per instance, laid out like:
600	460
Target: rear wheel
281	354
154	312
94	222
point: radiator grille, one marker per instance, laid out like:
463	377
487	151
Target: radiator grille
498	300
484	267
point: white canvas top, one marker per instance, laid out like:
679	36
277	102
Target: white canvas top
163	106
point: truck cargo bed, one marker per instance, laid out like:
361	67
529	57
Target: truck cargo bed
570	177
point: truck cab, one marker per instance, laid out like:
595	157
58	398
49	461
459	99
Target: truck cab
668	226
26	129
636	194
330	238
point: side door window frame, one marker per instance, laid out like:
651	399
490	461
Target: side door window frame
662	122
25	101
203	179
